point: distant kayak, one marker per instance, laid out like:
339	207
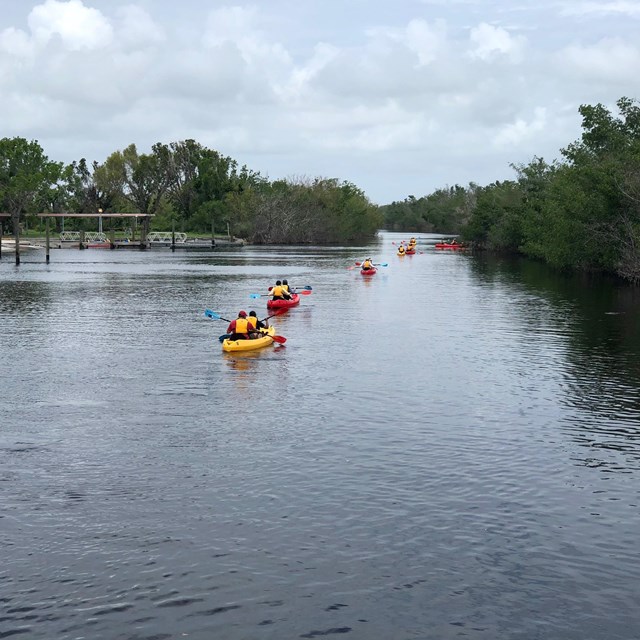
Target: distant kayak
250	345
284	304
446	245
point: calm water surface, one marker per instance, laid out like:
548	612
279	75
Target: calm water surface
448	450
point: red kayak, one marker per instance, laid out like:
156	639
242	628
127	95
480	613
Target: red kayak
368	272
410	252
284	304
446	245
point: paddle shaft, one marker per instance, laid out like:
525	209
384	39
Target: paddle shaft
278	339
302	292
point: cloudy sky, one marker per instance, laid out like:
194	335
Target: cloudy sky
398	97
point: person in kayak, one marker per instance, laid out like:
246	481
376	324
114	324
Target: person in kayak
286	287
255	325
279	292
367	265
239	328
401	250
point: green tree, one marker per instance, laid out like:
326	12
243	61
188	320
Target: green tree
183	166
26	175
141	180
605	170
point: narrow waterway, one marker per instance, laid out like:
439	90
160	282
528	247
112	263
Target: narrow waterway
448	449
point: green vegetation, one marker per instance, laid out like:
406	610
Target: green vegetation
580	213
185	184
443	211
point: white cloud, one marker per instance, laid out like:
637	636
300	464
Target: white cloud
619	7
17	43
239	25
610	60
400	102
490	42
426	41
385	127
137	28
77	26
302	76
515	133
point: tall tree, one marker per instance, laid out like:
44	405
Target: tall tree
140	179
25	174
183	170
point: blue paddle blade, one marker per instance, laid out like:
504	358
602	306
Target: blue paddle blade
384	264
255	295
211	314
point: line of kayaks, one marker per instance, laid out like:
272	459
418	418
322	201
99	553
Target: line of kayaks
266	339
409	250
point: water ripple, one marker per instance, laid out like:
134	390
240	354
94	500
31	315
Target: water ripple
475	475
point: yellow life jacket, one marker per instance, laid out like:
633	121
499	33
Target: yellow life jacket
286	287
400	249
242	325
276	292
367	264
253	321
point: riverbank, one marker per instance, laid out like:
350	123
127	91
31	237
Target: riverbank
9	244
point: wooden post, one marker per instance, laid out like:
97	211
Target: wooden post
143	233
47	231
173	236
81	244
213	232
0	239
16	235
112	235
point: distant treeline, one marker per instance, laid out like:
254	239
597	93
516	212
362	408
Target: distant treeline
186	184
582	212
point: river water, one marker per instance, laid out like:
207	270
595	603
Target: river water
448	449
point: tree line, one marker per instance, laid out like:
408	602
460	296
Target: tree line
187	185
581	212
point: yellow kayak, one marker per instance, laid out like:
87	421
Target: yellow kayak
250	345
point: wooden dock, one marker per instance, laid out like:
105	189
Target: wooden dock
98	240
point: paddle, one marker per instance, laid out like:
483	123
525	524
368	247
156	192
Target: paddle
216	316
278	339
375	264
302	292
294	289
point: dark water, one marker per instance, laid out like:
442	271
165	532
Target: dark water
451	449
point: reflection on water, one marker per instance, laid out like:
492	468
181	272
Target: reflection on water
449	448
595	321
